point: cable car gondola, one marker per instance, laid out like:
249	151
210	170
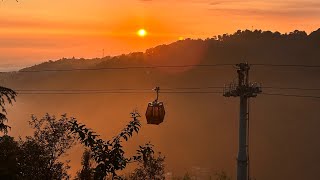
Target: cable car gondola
155	111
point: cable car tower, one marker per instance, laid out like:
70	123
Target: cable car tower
245	90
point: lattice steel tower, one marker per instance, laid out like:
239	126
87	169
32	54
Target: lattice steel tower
245	90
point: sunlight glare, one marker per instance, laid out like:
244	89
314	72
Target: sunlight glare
142	32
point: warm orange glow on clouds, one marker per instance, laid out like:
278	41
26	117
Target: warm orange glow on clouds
83	28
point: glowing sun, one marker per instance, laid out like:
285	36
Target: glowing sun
142	32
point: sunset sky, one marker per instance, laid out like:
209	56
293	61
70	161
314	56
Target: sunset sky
32	31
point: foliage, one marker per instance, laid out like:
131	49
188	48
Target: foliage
35	162
87	171
187	176
37	157
108	155
8	95
39	154
8	154
150	167
222	176
53	134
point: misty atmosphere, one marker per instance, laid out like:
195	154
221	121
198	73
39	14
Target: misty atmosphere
242	105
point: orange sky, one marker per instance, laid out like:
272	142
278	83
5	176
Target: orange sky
32	31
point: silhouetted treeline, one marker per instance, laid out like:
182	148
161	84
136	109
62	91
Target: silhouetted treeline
241	44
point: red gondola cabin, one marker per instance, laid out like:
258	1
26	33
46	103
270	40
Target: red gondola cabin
155	111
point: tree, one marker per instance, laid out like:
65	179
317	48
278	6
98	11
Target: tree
187	176
108	155
8	147
222	176
39	155
150	167
8	95
87	171
34	162
8	157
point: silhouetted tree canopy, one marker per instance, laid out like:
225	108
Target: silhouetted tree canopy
9	149
150	166
38	156
8	95
51	139
222	176
109	155
87	171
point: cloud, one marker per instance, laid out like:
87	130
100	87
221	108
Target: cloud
302	5
20	22
214	3
26	42
294	9
207	2
267	12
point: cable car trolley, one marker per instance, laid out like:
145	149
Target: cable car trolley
155	111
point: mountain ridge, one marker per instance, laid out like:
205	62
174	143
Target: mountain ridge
221	40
